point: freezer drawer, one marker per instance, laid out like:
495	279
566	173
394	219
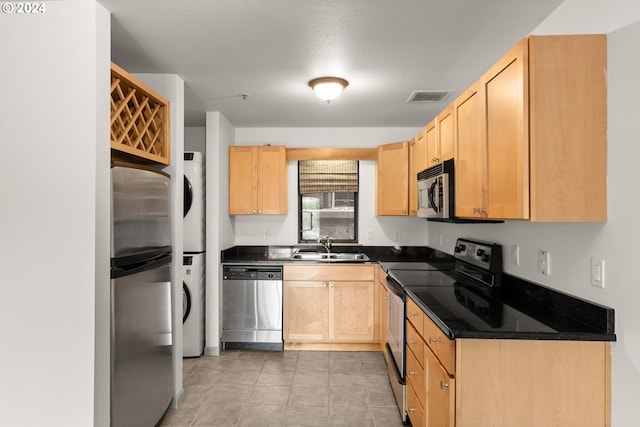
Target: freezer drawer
141	347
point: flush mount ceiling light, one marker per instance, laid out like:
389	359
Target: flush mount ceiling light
328	88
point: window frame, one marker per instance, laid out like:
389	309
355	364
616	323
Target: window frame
356	211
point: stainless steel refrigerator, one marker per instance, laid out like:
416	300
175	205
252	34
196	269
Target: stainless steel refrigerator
141	327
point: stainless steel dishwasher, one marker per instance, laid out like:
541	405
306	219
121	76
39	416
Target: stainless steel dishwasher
252	307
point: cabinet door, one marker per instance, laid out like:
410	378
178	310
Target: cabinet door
392	180
272	180
415	411
470	158
351	311
306	307
507	121
445	134
243	164
440	410
417	163
432	143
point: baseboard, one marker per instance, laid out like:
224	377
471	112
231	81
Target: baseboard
332	346
212	351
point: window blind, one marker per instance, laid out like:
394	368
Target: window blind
327	176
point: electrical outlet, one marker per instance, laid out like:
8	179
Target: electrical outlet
515	254
396	236
265	234
544	262
597	272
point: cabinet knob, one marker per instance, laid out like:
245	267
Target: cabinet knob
432	340
443	385
412	409
259	211
324	285
412	373
330	285
254	211
411	314
411	342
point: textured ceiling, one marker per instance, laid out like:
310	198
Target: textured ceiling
270	49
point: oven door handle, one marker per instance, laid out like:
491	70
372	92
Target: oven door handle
394	287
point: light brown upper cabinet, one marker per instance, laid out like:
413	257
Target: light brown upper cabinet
531	134
257	180
471	155
393	179
439	137
432	142
417	163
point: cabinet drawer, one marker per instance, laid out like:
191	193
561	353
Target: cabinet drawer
329	272
416	377
415	315
441	345
415	411
415	343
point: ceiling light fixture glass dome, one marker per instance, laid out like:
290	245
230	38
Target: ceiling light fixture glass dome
328	88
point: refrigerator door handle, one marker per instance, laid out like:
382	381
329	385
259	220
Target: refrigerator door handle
148	264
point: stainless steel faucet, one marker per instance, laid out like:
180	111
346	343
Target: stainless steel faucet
325	240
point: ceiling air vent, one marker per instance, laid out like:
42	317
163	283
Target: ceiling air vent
419	96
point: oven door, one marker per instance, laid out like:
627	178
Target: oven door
433	194
395	345
395	332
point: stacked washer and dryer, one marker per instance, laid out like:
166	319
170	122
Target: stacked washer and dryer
193	285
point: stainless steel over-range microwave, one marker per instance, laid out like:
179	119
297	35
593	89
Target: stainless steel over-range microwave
435	191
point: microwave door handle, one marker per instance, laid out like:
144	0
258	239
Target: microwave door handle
431	194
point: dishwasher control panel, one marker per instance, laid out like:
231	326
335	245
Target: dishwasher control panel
252	273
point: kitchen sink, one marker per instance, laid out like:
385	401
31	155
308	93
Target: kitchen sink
330	256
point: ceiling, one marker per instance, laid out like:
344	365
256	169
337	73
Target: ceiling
270	49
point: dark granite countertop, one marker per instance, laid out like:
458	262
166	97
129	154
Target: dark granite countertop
523	310
282	253
518	310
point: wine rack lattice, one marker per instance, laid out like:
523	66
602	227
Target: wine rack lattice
139	118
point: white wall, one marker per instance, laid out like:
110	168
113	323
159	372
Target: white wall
102	354
195	139
282	229
220	135
171	87
573	245
52	143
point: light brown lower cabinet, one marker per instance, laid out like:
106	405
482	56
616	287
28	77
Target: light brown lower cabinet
441	386
503	382
330	304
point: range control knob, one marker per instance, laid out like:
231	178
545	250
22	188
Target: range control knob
486	258
480	253
460	248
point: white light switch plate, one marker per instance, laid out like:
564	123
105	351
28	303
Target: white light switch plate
597	272
544	262
515	254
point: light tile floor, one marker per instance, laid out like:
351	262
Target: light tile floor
290	388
